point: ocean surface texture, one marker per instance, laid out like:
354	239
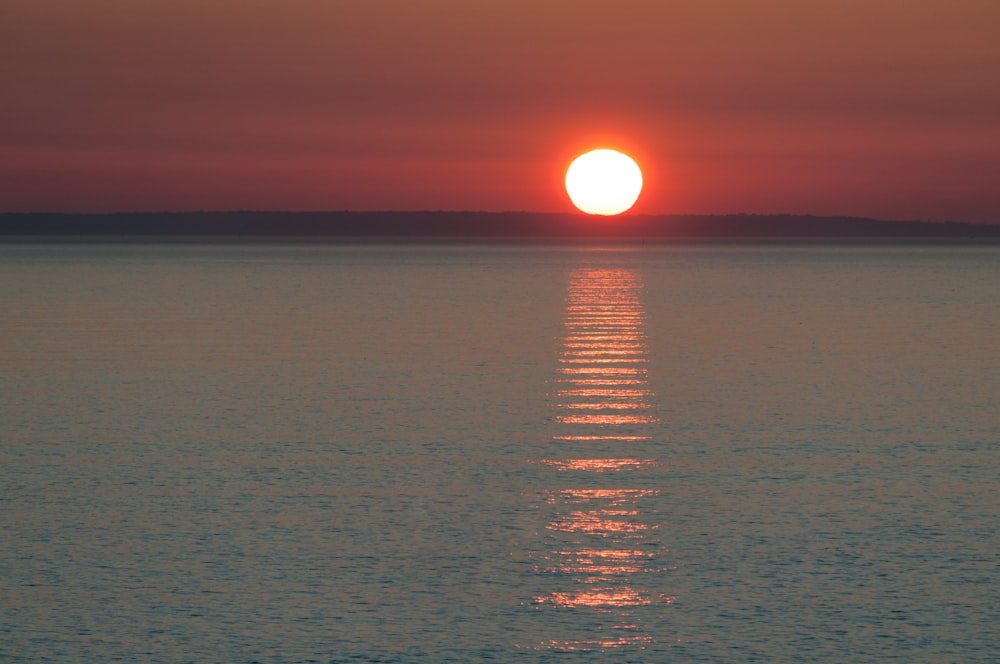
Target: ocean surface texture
375	453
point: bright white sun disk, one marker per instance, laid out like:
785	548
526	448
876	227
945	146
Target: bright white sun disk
604	182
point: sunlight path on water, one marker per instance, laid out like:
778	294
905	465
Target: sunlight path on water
601	542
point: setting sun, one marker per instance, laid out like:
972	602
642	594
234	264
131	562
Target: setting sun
604	182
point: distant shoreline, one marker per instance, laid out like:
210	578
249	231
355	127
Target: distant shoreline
464	227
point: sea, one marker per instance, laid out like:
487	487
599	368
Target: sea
320	452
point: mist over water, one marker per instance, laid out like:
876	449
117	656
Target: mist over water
393	453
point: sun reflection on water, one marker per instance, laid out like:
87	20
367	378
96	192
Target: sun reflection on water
606	418
603	371
598	465
629	394
602	406
602	540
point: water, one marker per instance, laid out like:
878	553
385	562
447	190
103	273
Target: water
456	453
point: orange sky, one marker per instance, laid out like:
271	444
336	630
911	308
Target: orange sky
884	108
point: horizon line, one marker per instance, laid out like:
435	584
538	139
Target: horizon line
581	215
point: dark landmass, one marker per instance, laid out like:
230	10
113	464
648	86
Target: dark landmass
412	226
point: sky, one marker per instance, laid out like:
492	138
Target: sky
879	108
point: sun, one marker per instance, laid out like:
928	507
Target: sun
605	182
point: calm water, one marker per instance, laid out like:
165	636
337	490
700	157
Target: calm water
375	453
